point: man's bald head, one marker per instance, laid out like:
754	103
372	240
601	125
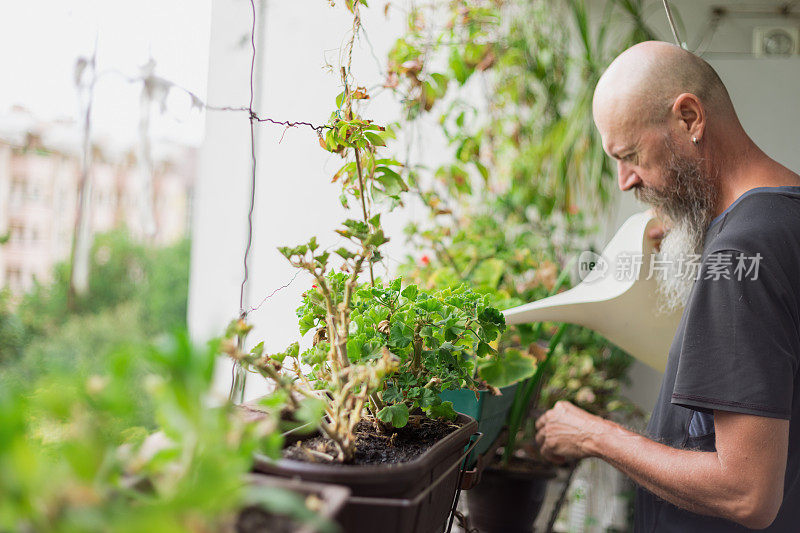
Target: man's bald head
642	83
662	112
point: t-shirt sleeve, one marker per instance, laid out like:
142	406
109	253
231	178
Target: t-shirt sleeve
741	345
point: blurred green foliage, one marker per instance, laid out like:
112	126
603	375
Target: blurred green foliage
80	453
12	330
107	419
122	270
135	293
511	85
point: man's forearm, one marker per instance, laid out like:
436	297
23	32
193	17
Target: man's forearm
691	480
742	481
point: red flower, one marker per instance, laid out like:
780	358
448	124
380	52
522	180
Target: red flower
425	260
313	286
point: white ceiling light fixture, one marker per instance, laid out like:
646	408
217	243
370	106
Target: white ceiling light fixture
776	41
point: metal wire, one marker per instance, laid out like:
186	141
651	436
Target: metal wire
671	21
238	374
252	119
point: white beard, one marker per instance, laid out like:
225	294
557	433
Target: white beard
677	248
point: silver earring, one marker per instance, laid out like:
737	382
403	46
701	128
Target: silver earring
694	140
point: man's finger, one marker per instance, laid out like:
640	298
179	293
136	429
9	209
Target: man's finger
540	438
541	421
557	459
554	458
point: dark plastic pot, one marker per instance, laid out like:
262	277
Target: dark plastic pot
411	497
507	501
488	410
254	519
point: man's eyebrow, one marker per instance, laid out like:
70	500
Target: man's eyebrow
618	154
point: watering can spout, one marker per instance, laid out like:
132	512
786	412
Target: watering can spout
615	298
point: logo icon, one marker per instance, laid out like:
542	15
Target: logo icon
591	267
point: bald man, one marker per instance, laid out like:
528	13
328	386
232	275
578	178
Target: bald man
720	453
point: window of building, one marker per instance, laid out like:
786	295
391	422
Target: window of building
13	278
17	232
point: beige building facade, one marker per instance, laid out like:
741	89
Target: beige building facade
39	183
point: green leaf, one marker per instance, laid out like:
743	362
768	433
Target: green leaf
392	395
459	67
483	170
396	415
410	292
306	323
374	138
512	367
426	398
344	253
330	140
441	80
443	410
392	181
310	411
293	350
355	347
258	349
492	322
429	305
484	349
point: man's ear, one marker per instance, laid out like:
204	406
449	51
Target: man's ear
691	116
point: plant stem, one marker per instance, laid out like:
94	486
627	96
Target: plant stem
362	194
416	359
376	400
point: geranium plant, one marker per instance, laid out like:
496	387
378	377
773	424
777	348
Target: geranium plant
386	350
379	349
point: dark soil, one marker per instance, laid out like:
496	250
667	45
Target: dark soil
372	447
257	520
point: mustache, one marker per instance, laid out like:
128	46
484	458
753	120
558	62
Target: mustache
688	195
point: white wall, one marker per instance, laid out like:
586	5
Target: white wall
295	198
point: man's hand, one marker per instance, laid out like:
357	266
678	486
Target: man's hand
562	431
741	481
657	233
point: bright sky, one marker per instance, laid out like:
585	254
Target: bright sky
41	40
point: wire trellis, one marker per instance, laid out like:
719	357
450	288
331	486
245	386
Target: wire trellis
158	88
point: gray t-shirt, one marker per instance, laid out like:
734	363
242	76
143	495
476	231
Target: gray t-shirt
737	348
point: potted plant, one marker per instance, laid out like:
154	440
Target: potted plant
381	355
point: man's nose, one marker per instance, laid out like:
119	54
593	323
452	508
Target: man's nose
627	177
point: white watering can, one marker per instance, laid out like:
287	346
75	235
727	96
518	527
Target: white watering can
615	298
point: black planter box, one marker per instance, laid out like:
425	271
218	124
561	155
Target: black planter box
412	497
